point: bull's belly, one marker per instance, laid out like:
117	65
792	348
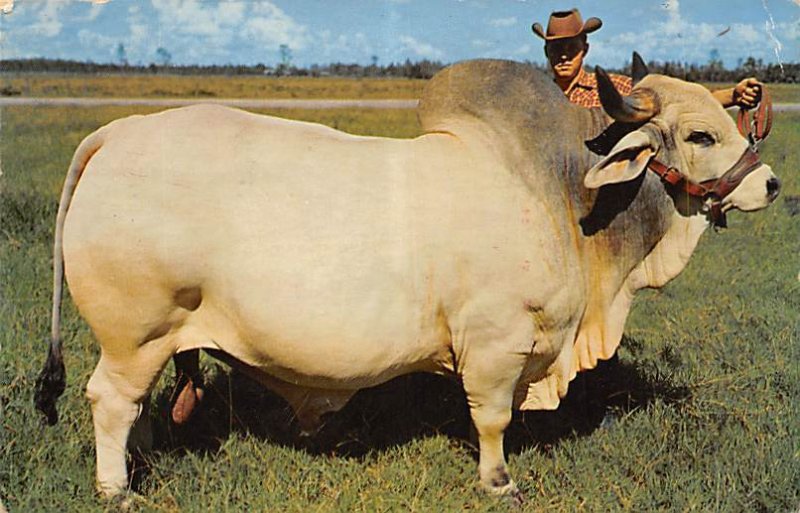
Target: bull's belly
316	315
316	341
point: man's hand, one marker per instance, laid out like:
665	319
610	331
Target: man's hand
747	93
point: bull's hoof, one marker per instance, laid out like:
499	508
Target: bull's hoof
116	499
123	502
187	401
503	486
509	492
517	498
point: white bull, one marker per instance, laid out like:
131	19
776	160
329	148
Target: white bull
324	262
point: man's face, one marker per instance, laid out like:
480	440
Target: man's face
566	56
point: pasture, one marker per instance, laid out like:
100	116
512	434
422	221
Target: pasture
176	86
58	85
698	413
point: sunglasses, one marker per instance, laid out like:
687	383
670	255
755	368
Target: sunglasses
569	46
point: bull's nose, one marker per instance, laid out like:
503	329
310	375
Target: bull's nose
773	187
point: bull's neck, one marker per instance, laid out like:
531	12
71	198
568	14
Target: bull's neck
632	237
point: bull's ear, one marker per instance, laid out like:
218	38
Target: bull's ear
627	160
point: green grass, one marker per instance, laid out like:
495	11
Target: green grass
205	86
179	86
699	413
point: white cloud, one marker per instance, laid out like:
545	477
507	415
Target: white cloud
230	13
522	51
206	32
94	12
342	47
420	48
138	33
674	37
270	26
790	30
7	6
481	44
188	17
503	22
90	39
47	22
744	33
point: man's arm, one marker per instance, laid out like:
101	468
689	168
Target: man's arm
745	94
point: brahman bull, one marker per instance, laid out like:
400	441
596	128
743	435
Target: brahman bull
496	247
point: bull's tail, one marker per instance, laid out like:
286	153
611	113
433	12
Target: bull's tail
52	380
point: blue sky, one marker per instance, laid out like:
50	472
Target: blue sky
318	31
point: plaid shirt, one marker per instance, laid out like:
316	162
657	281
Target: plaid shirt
583	91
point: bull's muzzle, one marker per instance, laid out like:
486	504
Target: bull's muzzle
773	188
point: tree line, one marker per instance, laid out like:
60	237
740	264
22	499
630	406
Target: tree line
408	69
713	71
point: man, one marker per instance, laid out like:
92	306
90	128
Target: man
566	46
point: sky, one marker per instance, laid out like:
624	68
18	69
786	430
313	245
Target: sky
353	31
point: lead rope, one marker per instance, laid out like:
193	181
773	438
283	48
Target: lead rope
758	129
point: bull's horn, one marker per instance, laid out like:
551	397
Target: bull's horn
638	68
641	106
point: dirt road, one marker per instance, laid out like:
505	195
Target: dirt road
235	102
249	103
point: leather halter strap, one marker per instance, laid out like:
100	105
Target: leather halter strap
712	192
717	188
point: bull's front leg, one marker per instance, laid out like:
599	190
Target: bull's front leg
490	375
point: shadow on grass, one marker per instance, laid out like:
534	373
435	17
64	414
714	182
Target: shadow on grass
403	409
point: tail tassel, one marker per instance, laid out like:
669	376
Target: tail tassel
50	385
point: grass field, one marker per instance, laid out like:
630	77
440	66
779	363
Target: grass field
699	413
169	86
174	86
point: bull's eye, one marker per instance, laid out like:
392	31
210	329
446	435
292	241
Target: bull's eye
701	138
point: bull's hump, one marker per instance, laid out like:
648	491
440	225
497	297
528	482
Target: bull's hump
499	90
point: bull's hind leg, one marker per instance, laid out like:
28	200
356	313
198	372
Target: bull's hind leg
116	391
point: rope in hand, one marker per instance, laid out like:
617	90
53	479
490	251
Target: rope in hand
758	129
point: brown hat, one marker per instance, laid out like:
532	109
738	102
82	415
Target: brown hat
563	24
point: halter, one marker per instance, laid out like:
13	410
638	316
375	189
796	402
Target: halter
713	191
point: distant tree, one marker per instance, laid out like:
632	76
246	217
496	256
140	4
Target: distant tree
122	56
163	57
284	67
714	59
286	55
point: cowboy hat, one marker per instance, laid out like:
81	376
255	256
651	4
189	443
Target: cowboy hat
563	24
